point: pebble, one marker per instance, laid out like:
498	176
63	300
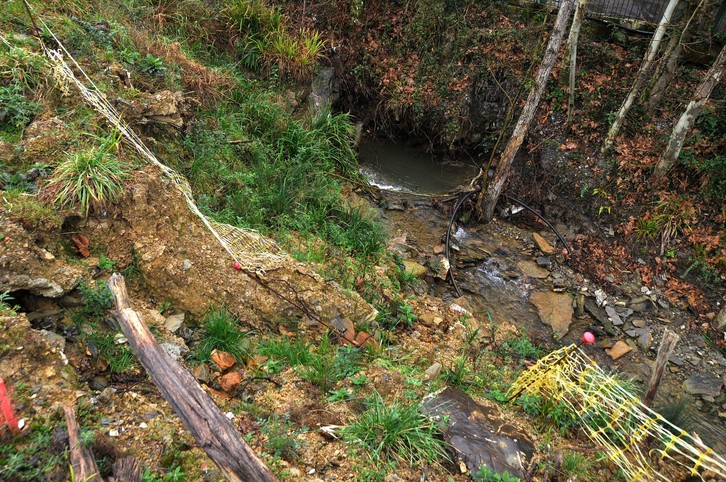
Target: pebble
433	372
229	415
543	261
113	433
186	265
143	425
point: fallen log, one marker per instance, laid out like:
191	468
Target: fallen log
212	430
82	461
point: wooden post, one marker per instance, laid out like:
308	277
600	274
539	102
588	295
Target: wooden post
82	461
667	344
212	430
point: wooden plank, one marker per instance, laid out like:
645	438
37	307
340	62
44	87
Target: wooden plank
661	360
212	430
82	461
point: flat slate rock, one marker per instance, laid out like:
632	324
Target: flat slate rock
479	434
703	385
554	309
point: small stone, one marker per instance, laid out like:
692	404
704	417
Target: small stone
174	322
186	265
149	416
432	372
113	433
543	244
98	383
543	261
440	266
532	270
174	350
642	305
613	315
295	472
222	359
618	350
439	249
694	360
623	312
54	339
343	325
414	268
202	373
600	297
143	425
230	381
229	415
426	319
106	395
639	323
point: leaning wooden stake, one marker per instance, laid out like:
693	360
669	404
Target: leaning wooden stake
664	352
210	427
82	461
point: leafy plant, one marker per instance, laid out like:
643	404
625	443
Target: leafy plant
105	263
281	437
7	309
93	177
396	431
485	474
221	332
96	299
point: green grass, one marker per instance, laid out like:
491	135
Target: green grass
323	365
288	178
396	431
222	332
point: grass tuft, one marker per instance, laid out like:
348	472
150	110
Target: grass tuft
396	431
93	177
221	332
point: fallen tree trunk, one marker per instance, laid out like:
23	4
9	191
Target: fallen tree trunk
82	461
214	433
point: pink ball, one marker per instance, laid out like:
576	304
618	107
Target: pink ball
588	338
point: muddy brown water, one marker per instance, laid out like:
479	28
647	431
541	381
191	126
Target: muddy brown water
409	168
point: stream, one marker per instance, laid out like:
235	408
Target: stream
499	269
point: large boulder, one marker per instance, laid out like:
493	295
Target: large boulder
479	434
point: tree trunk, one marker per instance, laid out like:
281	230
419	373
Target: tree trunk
488	199
572	50
689	116
212	430
664	76
642	75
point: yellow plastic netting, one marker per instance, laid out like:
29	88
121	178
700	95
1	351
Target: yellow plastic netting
246	246
630	433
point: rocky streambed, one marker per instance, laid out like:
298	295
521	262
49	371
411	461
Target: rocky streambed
521	276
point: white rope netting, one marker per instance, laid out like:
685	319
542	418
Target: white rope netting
630	433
